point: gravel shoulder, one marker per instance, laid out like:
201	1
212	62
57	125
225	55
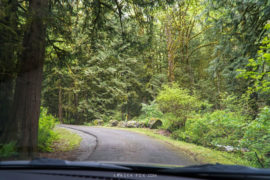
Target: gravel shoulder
87	145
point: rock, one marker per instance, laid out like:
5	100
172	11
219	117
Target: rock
142	124
98	122
132	124
122	124
231	148
154	123
113	123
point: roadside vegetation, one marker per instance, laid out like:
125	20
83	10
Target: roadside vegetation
51	139
54	139
66	140
230	133
46	135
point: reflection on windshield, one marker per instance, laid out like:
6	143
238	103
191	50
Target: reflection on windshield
144	82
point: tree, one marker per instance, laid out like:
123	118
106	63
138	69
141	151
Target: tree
239	27
183	29
23	124
258	69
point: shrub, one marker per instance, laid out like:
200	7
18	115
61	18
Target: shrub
177	101
233	103
217	128
170	122
8	150
150	111
257	138
46	135
98	122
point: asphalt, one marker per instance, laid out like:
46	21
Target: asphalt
114	145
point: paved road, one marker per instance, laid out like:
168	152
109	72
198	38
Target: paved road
105	144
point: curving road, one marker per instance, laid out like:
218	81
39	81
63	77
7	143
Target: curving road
114	145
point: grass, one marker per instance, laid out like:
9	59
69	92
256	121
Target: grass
200	154
66	140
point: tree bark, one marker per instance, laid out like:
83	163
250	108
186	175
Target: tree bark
60	109
169	50
26	106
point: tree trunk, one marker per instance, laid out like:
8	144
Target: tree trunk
26	106
60	109
170	53
253	105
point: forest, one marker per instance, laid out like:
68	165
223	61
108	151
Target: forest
201	66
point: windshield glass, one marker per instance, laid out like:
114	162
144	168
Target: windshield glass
136	81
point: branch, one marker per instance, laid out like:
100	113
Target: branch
108	6
199	47
259	159
199	33
20	6
120	15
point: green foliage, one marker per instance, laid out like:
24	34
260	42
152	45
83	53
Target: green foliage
98	122
258	69
46	135
149	111
217	128
8	150
172	99
170	122
117	116
257	138
238	27
233	103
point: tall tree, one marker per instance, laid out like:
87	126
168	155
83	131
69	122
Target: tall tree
239	27
26	106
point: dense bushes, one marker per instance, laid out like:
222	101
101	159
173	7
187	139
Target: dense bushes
257	138
170	122
8	150
223	129
149	111
191	120
172	99
46	135
213	129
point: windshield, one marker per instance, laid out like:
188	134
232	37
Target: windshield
167	83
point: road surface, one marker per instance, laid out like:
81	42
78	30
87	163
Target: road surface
114	145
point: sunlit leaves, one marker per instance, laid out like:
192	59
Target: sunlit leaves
259	69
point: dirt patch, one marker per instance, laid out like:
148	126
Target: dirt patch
58	154
70	155
163	132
